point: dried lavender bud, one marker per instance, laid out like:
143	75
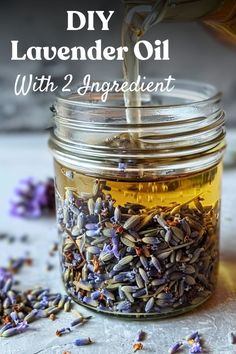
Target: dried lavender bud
5	328
31	316
175	347
7	286
82	341
62	331
141	335
20	327
67	306
77	321
192	336
10	332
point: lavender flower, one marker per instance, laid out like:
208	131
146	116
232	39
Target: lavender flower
196	348
33	199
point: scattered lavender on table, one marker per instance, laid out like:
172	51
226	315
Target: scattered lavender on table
33	199
76	322
18	309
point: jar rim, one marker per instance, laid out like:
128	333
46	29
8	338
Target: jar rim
174	139
205	93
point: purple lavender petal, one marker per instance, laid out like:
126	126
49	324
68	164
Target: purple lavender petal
115	243
39	195
196	348
140	336
5	275
22	326
107	248
91	226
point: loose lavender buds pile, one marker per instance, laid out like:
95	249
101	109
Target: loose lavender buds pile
33	199
132	260
18	309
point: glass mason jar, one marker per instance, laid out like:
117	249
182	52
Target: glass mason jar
138	206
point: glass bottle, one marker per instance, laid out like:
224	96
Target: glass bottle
220	15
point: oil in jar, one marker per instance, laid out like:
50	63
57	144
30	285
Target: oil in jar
139	247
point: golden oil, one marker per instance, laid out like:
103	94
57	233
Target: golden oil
165	192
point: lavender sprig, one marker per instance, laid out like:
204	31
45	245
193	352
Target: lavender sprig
33	199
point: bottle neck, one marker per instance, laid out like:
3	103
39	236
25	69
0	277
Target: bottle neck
188	10
177	10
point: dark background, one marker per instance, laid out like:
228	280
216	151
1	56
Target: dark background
195	53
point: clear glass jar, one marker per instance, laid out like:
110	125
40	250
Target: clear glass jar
138	206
